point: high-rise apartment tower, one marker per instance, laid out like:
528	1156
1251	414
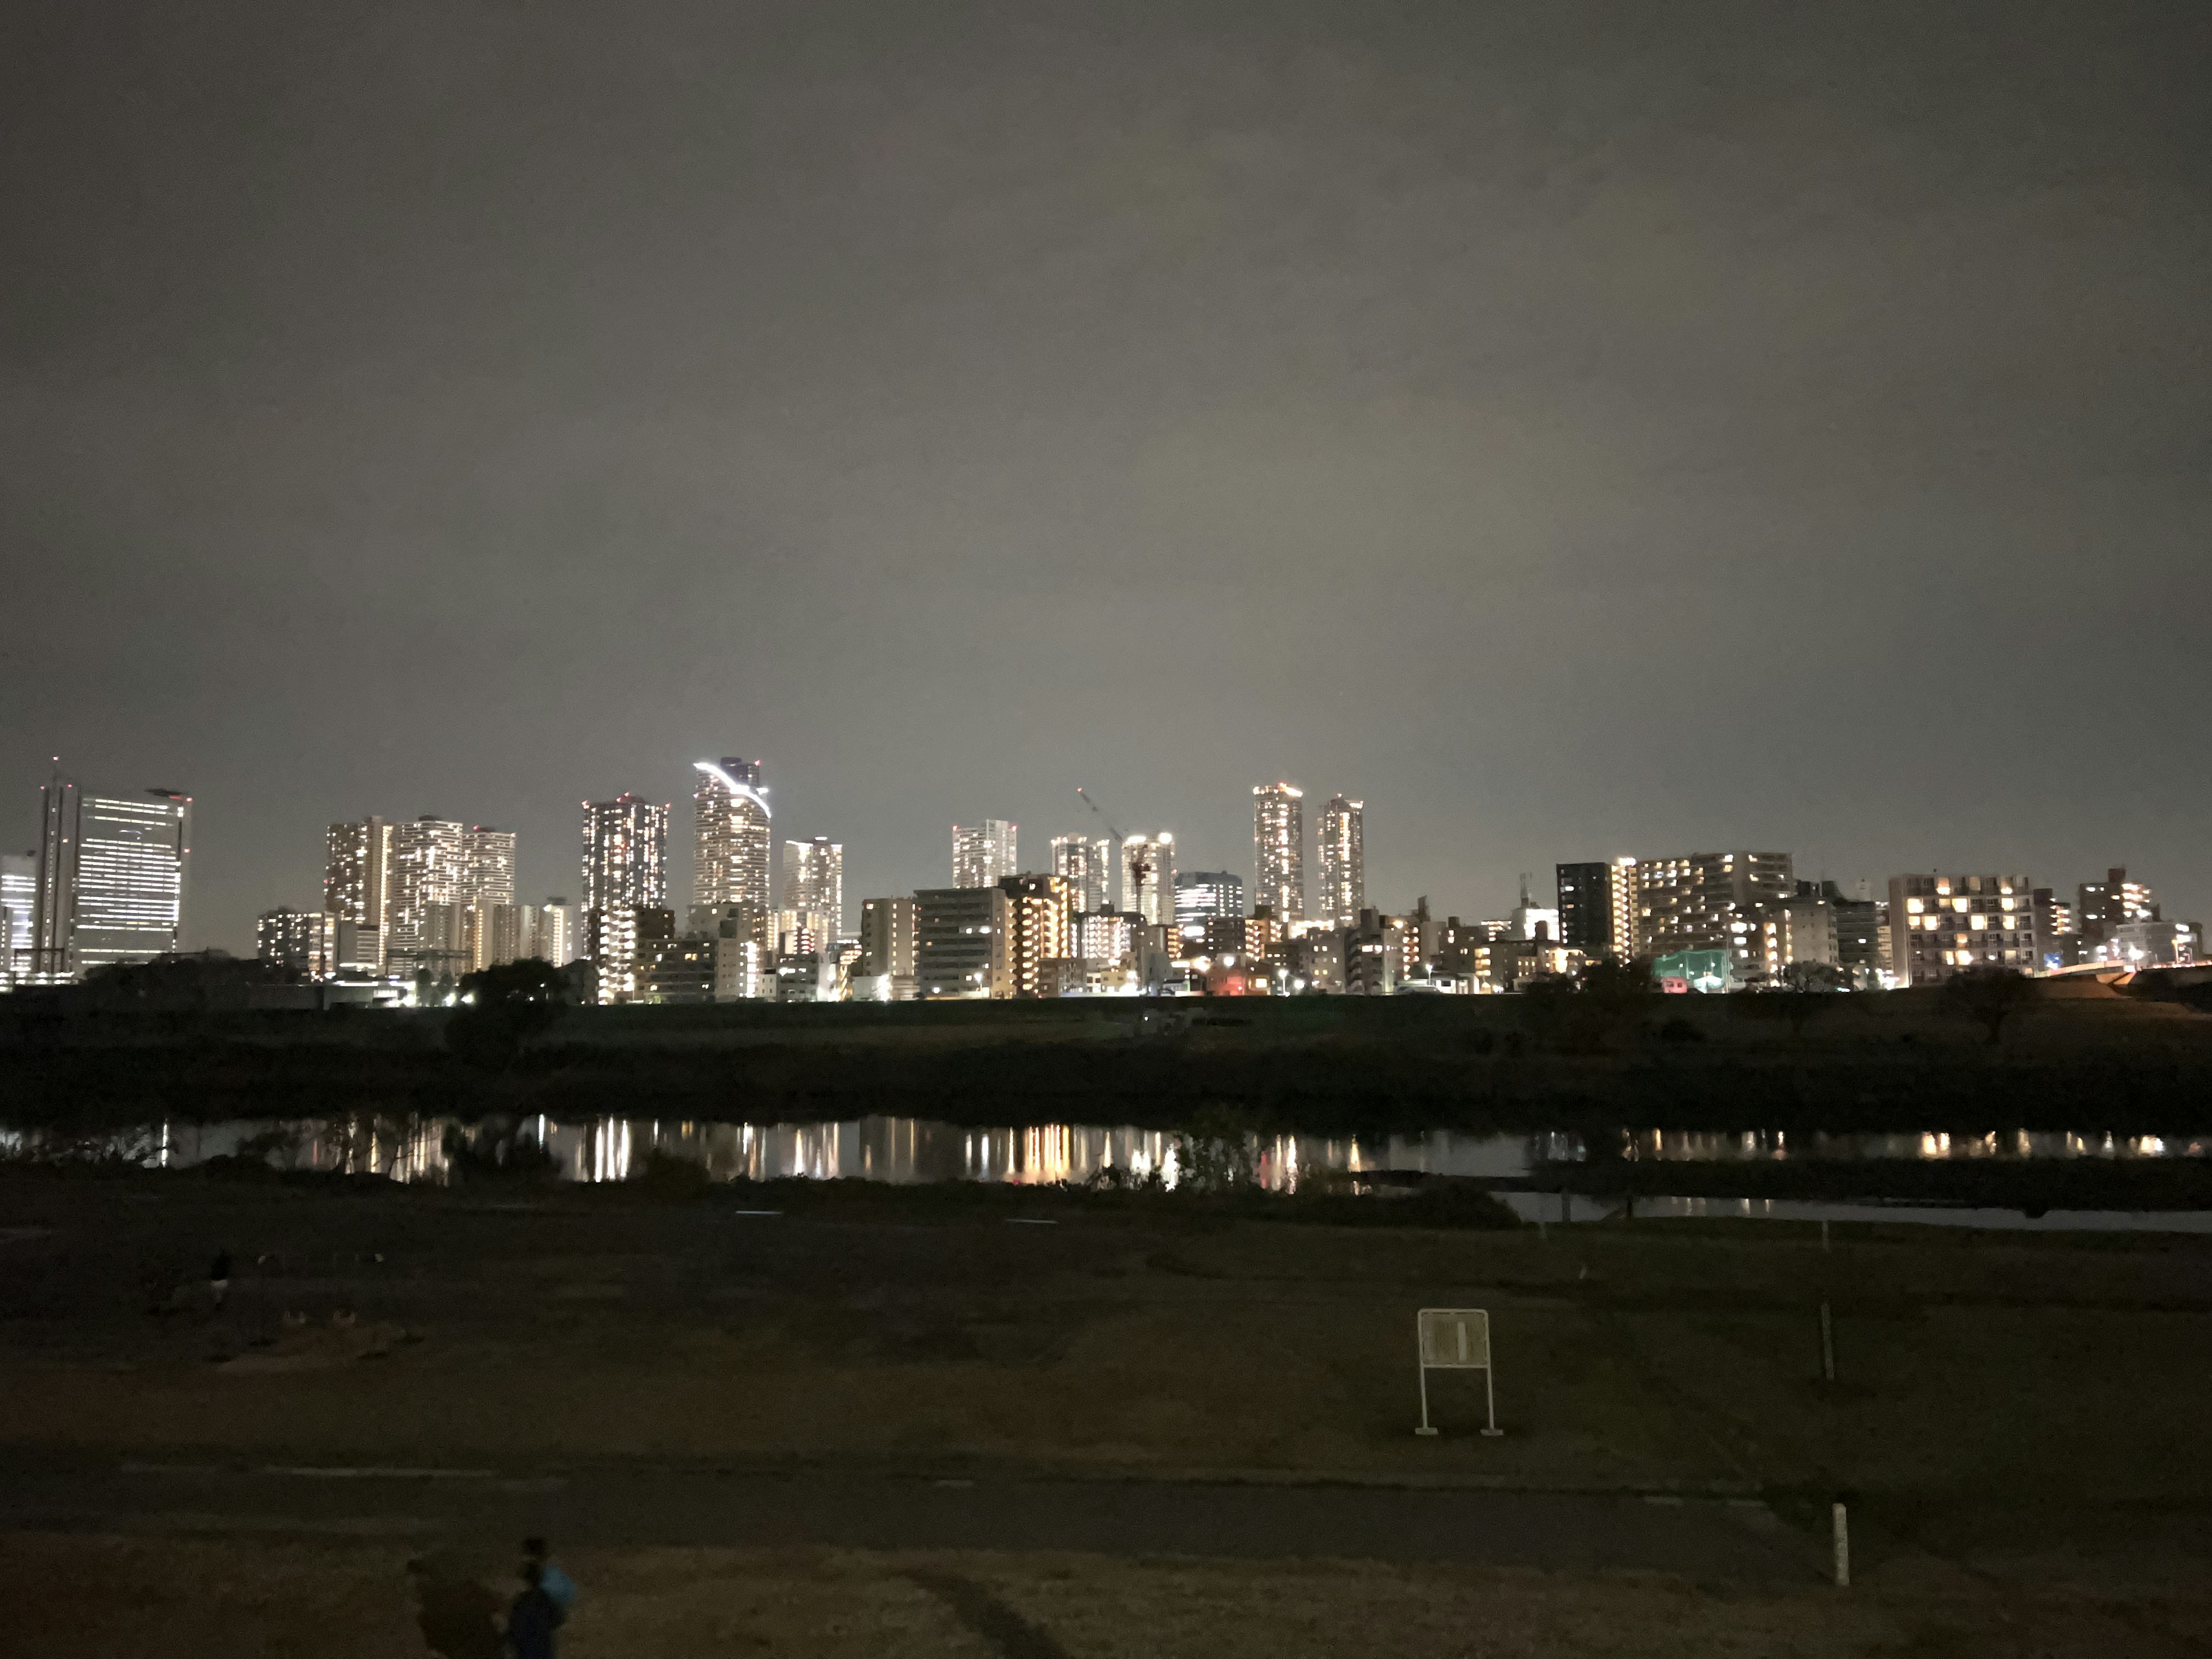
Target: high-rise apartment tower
983	853
1343	862
735	845
1279	850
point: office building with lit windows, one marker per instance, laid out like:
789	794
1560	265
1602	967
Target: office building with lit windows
1087	867
734	844
983	855
19	888
1341	858
1279	850
1202	894
1943	925
131	858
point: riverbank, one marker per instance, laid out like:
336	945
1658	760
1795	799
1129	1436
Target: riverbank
2079	1055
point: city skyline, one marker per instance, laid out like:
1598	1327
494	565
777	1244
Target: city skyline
678	845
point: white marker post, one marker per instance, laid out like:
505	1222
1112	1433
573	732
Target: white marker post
1456	1339
1840	1522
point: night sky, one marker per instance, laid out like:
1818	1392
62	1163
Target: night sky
1578	429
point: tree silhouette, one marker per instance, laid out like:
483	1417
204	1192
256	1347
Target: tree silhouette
1989	995
503	1007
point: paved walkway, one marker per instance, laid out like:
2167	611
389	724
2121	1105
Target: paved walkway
618	1504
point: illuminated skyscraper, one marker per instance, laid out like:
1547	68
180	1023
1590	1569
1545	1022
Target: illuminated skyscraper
625	854
432	871
131	860
625	887
19	888
1148	878
735	844
983	853
356	871
489	855
1087	867
1343	853
814	882
1279	850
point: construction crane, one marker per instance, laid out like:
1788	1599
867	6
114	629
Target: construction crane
1140	866
1101	811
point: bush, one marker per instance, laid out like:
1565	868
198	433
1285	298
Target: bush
667	1176
496	1154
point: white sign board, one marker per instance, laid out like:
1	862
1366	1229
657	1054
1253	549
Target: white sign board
1456	1339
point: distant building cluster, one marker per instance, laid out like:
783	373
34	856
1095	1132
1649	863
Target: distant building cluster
425	901
411	908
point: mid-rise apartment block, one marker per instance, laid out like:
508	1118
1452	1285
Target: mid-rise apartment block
2113	902
1941	925
962	942
1041	919
304	942
1710	902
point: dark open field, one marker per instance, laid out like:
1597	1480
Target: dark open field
2052	1372
2016	1420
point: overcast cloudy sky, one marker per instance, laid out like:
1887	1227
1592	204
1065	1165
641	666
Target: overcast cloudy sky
1576	428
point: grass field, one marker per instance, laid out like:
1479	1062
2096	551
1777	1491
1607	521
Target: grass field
91	1597
2037	1376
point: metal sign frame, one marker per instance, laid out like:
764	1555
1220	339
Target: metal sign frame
1455	1340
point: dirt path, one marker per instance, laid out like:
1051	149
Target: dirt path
612	1506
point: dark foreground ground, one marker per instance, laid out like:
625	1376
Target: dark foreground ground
886	1421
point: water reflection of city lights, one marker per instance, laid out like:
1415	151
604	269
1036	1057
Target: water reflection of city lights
407	1148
